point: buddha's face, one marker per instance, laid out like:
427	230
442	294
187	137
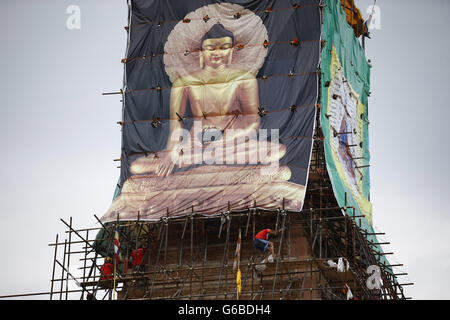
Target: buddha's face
217	51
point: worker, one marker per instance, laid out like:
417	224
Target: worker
261	242
137	257
107	269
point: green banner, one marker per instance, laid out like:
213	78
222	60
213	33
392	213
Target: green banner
345	86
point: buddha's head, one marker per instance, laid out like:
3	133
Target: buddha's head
216	47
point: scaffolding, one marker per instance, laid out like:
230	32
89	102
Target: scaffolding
192	257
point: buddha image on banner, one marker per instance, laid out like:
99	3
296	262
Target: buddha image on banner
221	134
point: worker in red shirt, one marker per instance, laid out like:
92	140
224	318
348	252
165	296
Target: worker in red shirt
137	257
107	269
261	242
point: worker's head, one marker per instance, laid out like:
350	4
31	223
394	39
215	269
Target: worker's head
272	234
108	259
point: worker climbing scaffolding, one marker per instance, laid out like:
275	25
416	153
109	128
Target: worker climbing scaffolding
262	243
106	270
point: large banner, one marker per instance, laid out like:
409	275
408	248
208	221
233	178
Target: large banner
345	87
344	115
219	106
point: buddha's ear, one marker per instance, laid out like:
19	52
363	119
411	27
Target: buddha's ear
230	57
201	60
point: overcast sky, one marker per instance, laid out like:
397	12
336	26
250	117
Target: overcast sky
59	134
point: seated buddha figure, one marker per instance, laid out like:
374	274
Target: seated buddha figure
224	102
